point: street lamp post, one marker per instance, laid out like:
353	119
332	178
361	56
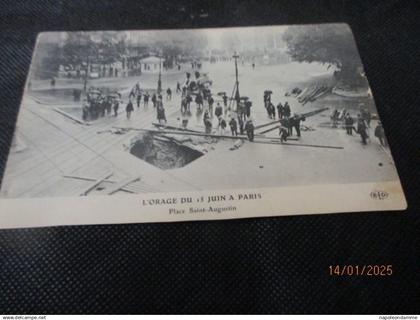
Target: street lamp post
86	74
159	88
237	96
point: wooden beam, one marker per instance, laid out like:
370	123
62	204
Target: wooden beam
299	144
95	184
84	178
199	134
121	185
172	127
269	130
303	115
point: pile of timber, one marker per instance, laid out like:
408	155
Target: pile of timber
312	93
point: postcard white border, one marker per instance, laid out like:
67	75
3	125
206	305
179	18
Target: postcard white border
38	212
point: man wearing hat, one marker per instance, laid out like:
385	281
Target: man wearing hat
249	128
366	115
362	128
286	110
233	126
380	134
295	123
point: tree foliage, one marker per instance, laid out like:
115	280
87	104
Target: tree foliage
330	44
81	47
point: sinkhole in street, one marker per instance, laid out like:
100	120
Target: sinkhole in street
163	153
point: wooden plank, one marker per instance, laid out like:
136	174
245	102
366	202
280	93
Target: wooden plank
86	178
303	115
199	134
124	183
172	127
127	189
299	144
269	130
95	184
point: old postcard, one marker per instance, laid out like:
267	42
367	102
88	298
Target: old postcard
173	125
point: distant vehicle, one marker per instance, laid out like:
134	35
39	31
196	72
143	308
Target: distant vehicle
201	84
204	80
95	71
94	75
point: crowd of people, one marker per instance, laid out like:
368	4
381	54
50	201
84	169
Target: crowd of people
137	94
236	114
361	125
284	115
97	104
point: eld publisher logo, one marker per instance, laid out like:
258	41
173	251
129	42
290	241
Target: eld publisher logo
379	195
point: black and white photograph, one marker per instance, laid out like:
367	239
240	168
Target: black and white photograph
162	111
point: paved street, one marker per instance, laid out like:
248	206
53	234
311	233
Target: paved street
56	146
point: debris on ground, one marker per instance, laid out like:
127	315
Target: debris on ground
312	93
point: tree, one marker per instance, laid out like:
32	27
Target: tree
331	44
78	48
111	45
82	49
172	44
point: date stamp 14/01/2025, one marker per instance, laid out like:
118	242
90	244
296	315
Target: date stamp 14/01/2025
371	270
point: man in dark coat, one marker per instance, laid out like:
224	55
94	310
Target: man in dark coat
366	115
286	110
211	102
108	106
138	99
188	100
199	101
380	134
280	110
267	104
154	100
233	126
116	107
249	127
161	117
146	100
247	109
348	121
283	133
218	111
225	98
129	108
183	105
103	107
132	93
334	117
241	124
271	111
362	129
295	123
222	125
85	110
207	122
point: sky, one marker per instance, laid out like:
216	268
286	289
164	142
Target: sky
251	36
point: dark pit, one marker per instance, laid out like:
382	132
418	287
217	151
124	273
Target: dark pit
163	153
